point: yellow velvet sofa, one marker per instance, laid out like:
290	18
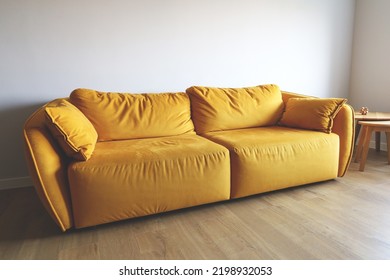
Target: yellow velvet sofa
98	157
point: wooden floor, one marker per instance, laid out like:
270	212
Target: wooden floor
347	218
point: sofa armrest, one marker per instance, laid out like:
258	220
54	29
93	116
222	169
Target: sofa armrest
343	126
47	166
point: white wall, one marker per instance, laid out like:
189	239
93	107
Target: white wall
49	47
370	72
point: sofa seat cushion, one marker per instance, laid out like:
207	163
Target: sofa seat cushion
269	158
133	178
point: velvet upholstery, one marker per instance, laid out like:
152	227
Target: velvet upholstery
148	159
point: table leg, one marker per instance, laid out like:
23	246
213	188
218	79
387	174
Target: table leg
377	141
366	145
359	148
388	146
357	131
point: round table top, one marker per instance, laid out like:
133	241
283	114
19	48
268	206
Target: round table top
372	116
375	123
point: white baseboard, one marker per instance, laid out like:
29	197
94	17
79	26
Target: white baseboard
13	183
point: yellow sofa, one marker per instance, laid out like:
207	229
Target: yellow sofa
99	157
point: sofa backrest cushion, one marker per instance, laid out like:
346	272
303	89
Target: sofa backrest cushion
72	130
118	116
215	109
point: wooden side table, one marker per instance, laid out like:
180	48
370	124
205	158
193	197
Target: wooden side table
368	127
371	116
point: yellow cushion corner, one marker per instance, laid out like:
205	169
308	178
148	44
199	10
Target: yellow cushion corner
311	113
72	130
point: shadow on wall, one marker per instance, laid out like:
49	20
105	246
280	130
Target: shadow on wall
12	160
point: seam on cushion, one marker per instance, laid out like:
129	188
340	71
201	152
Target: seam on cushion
66	138
239	149
52	208
275	126
192	133
77	167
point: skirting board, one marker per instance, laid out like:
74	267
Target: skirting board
13	183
